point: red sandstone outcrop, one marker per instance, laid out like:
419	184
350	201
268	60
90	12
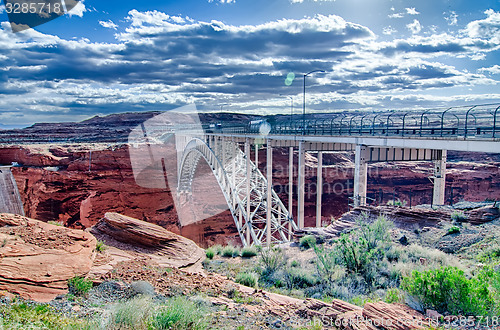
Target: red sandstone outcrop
37	258
68	192
130	239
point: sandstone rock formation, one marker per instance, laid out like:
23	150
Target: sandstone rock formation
131	239
37	258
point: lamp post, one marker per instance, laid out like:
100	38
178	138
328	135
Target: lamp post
291	108
304	101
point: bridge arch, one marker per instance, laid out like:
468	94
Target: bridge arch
247	202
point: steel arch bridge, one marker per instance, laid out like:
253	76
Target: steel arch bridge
244	187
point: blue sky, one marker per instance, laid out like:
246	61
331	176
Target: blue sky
109	56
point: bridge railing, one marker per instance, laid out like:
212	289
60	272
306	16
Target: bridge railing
467	122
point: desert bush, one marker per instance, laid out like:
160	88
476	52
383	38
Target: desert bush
308	241
447	289
294	263
100	246
297	278
20	315
129	314
453	230
398	202
248	252
210	253
79	286
271	260
394	295
248	279
56	223
458	216
230	251
179	313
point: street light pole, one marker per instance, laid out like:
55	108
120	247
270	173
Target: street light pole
291	108
304	101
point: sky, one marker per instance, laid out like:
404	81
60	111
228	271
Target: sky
107	57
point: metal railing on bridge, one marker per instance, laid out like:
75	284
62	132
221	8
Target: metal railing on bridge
466	122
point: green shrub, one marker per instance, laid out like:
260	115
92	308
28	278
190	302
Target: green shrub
394	295
453	230
447	289
79	286
130	314
398	202
272	259
359	252
180	314
307	242
298	278
210	253
230	251
247	279
100	246
295	263
27	316
56	223
458	216
248	252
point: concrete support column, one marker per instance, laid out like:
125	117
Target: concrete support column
319	188
360	175
290	190
439	180
301	185
249	175
269	177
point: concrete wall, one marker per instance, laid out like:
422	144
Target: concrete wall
10	200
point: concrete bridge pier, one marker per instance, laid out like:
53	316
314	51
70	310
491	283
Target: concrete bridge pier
319	188
439	179
360	175
301	185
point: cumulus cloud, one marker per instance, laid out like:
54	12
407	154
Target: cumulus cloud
415	27
396	15
78	9
389	30
109	24
451	18
486	28
161	61
412	11
495	69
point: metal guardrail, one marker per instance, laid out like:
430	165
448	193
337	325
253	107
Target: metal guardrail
471	122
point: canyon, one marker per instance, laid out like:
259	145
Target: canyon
76	184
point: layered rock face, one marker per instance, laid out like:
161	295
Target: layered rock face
77	186
37	259
131	238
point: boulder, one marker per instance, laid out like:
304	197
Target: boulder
37	258
129	238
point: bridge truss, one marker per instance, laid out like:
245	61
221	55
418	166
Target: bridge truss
259	214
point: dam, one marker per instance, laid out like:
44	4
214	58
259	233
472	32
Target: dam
10	200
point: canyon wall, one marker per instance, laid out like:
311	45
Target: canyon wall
77	187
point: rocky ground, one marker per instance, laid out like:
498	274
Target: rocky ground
145	259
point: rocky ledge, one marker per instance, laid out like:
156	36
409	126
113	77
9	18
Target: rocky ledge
37	258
